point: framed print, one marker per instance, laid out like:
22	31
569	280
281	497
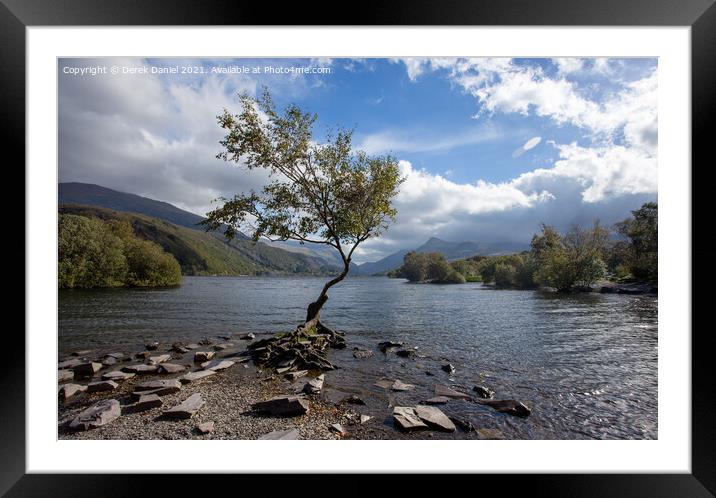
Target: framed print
429	240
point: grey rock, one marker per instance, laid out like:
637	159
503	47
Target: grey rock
147	402
217	365
108	361
87	369
384	383
362	353
140	369
169	368
206	342
406	418
448	367
84	352
187	408
221	347
284	434
508	406
406	353
98	415
143	355
195	376
490	434
205	427
68	390
287	406
152	346
65	375
116	356
401	386
192	346
449	393
202	356
117	375
386	345
434	418
484	392
152	385
365	418
353	400
295	375
314	386
464	425
71	363
101	386
338	428
247	337
155	360
437	400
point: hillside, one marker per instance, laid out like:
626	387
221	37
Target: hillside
268	257
200	253
450	250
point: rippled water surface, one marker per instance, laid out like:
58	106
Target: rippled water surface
586	364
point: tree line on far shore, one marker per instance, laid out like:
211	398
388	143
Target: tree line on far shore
97	253
572	260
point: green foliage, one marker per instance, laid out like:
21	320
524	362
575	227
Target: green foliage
509	271
639	253
572	260
428	267
93	253
319	193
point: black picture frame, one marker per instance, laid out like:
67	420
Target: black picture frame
700	15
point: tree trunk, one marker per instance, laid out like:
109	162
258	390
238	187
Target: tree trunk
313	313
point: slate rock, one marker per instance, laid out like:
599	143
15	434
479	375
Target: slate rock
152	346
283	434
434	418
386	345
490	434
406	353
117	376
195	376
508	406
140	369
65	375
401	386
192	346
205	427
295	375
353	400
187	408
449	368
437	400
362	353
101	386
108	361
285	406
143	355
87	369
155	360
449	393
314	386
100	414
84	352
71	363
365	418
217	365
147	402
169	368
384	383
338	428
406	419
484	392
68	390
202	356
463	424
247	337
152	385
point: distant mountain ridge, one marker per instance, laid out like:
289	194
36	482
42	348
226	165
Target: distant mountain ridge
450	250
263	257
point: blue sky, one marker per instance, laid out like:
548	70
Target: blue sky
490	147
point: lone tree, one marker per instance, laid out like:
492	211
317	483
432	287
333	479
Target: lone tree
318	193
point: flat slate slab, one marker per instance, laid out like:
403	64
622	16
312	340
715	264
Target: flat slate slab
65	375
295	375
169	368
87	369
69	390
437	400
217	365
384	383
508	406
159	358
449	393
284	434
195	376
205	427
152	385
435	418
147	402
202	356
98	415
407	419
117	376
71	363
285	406
314	386
187	408
83	352
401	386
101	386
141	369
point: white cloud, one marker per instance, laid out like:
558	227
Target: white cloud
528	145
395	141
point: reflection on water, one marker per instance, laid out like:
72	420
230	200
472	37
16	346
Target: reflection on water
586	363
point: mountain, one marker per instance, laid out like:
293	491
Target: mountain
263	257
450	250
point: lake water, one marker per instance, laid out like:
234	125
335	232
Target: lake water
586	364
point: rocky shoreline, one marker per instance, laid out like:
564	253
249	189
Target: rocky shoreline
212	390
